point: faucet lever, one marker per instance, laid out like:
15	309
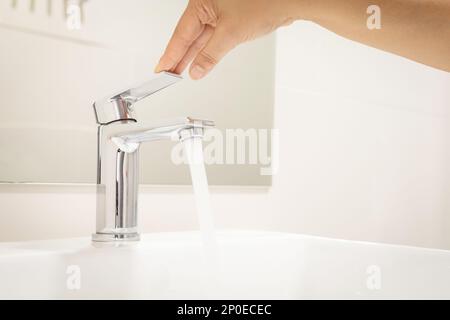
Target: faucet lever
119	106
150	87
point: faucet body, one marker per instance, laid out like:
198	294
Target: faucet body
119	138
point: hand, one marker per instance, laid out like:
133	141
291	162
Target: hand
209	29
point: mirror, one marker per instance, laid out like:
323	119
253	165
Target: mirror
58	56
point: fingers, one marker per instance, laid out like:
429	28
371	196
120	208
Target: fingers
220	43
198	39
195	48
189	28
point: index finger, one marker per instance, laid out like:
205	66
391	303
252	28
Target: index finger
186	32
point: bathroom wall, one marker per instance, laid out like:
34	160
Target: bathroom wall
364	140
363	155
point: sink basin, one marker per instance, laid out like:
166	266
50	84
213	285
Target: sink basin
249	265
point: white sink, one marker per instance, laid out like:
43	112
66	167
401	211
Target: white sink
252	265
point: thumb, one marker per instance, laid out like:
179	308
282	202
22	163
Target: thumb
220	43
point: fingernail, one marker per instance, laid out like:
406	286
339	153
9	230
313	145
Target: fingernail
158	67
197	72
163	65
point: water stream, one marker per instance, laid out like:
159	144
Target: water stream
193	149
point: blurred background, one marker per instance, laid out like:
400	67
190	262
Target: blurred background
57	57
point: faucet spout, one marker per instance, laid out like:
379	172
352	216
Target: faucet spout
119	138
171	129
118	170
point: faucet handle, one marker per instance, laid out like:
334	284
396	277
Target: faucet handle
119	106
163	80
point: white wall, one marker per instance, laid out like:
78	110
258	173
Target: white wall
364	141
364	155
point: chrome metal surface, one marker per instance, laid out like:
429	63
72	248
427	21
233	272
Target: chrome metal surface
118	157
119	106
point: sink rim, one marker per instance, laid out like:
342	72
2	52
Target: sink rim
224	236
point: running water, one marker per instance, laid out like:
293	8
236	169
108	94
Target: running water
194	155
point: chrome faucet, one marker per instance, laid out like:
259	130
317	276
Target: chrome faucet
119	137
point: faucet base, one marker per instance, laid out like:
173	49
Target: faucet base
115	237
